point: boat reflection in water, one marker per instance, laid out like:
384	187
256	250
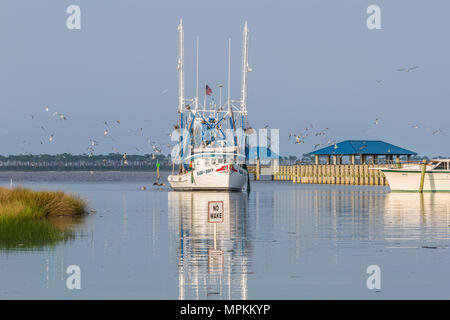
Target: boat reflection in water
212	257
419	211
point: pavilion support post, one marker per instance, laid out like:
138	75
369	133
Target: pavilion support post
334	159
329	159
352	159
317	159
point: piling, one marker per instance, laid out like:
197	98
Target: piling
258	169
158	177
422	175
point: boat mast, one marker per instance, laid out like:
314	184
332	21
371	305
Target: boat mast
230	108
181	85
196	77
245	69
180	66
229	75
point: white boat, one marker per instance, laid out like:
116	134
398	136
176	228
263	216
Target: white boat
212	170
212	151
408	177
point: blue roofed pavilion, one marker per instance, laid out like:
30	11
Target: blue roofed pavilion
361	150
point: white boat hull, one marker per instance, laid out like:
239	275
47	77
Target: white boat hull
210	179
409	180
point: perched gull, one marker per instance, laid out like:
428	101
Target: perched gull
249	130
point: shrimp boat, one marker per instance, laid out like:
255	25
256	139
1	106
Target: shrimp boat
212	148
408	178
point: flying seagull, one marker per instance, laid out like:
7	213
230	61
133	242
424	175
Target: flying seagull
408	69
437	132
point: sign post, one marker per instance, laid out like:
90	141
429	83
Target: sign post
215	215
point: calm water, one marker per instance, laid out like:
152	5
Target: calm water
283	241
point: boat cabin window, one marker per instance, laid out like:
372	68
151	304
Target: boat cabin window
206	162
441	166
220	160
213	161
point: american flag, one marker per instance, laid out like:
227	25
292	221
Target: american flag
208	90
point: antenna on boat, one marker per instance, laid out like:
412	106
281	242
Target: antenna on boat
245	69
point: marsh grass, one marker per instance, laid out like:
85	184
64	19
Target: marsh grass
29	218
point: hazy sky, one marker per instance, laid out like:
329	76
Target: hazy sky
314	62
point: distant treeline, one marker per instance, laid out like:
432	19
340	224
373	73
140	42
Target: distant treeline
112	161
67	161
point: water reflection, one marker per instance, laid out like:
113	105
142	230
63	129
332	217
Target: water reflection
212	257
41	237
418	216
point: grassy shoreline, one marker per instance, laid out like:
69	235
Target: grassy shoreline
26	216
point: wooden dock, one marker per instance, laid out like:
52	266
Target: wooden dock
346	174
